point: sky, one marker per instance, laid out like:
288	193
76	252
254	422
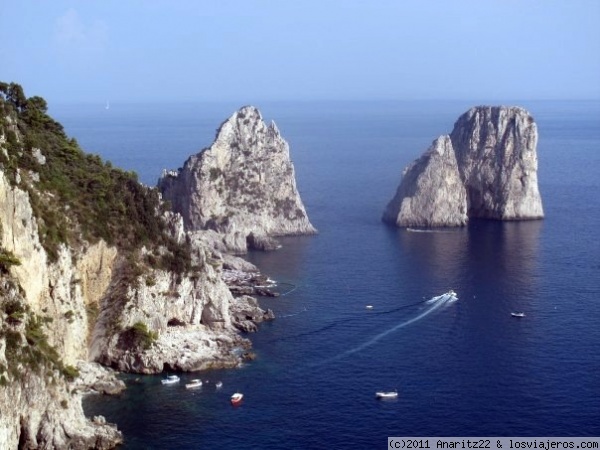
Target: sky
261	50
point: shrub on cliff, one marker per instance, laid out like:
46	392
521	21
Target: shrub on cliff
138	336
26	343
7	260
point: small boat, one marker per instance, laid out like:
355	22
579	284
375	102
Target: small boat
219	384
236	398
386	395
369	306
517	314
171	379
451	296
193	384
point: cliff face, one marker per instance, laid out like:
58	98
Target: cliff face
486	168
92	267
242	186
38	406
190	316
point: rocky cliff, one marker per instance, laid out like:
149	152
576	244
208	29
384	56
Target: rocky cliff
93	267
242	186
43	334
486	168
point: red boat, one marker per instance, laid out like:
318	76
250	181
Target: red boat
236	398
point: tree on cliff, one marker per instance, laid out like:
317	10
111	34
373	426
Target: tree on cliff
77	196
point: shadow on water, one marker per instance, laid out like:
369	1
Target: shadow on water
484	253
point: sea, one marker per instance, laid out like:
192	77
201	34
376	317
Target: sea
463	368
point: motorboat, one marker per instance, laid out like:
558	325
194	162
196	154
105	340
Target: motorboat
193	384
171	379
386	395
236	398
369	306
219	384
517	314
451	296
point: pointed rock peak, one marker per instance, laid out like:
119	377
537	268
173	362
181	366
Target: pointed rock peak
247	114
242	184
273	130
442	145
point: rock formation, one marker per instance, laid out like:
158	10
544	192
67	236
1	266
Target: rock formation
486	168
242	186
68	296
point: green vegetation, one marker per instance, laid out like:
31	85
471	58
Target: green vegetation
27	347
7	259
138	336
78	196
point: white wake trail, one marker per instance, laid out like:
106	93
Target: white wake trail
438	302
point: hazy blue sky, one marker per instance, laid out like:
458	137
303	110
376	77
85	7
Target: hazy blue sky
254	50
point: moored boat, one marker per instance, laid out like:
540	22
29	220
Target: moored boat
236	398
386	395
171	379
219	384
193	384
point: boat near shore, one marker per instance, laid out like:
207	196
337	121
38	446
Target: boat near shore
193	384
171	379
237	398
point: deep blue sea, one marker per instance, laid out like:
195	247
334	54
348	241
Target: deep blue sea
461	369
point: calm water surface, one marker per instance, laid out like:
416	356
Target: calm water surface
462	369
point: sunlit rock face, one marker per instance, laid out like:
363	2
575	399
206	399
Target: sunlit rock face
243	186
486	168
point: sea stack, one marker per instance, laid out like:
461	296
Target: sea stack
243	186
486	168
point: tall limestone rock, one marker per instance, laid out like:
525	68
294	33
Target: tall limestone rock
69	296
242	186
486	168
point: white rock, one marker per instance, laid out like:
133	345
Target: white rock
242	184
486	168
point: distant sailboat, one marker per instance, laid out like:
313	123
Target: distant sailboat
107	105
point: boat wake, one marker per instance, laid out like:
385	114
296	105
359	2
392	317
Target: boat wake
434	304
428	230
294	314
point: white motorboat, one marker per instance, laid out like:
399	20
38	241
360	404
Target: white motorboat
219	384
193	384
171	379
386	395
369	306
236	398
517	314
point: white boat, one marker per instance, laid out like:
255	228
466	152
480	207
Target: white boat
369	306
193	384
219	384
171	379
386	395
517	314
451	296
236	398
